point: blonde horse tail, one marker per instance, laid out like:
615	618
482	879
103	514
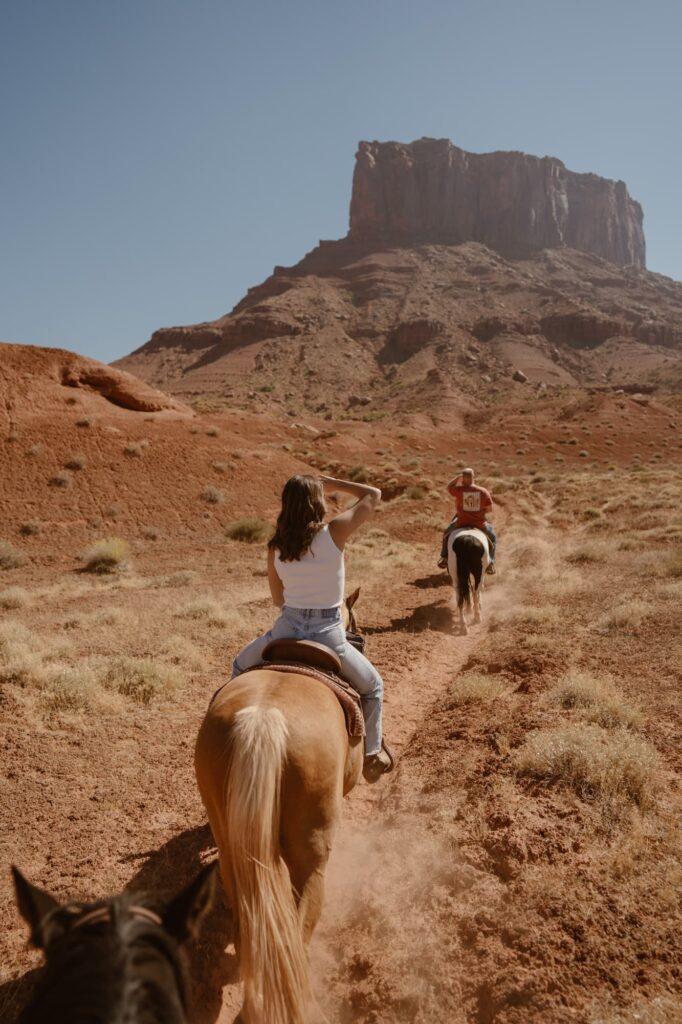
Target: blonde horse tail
272	955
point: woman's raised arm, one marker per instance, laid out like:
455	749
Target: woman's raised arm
343	525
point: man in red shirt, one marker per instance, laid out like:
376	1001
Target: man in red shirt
472	503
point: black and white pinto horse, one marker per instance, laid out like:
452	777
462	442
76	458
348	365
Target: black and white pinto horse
468	558
112	961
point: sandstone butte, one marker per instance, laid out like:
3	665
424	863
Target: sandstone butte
458	271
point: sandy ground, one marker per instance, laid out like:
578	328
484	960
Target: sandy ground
476	884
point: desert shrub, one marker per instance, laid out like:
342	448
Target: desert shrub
112	511
615	767
107	555
212	495
178	650
585	555
359	474
211	612
13	597
20	661
151	532
70	688
141	679
84	421
668	565
212	432
30	528
250	531
416	492
60	480
135	449
473	687
34	450
181	578
10	558
596	699
527	615
76	462
631	613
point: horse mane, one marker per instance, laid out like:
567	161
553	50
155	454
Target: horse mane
121	970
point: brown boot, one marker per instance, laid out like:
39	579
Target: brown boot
378	764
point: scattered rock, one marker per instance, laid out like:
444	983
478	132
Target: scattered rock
520	376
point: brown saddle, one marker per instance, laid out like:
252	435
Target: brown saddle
303	652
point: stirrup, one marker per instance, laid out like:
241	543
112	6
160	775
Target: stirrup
381	763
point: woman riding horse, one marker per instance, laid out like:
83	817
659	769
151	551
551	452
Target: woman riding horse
306	574
274	758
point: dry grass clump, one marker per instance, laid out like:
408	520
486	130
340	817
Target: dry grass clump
527	615
212	432
669	564
586	554
474	687
596	699
178	650
62	480
111	554
30	528
84	421
212	495
359	474
10	558
181	578
141	679
211	612
20	661
626	614
416	492
135	449
13	597
250	531
71	688
615	767
76	462
658	1010
151	532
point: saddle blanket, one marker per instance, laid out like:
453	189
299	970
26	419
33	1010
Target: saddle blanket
347	697
473	531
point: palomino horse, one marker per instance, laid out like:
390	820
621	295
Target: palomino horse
273	762
468	558
111	961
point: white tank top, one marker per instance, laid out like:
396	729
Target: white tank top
317	579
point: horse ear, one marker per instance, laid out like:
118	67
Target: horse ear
352	598
185	911
34	906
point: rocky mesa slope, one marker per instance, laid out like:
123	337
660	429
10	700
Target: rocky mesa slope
420	307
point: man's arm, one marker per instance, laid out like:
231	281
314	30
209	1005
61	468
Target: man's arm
454	483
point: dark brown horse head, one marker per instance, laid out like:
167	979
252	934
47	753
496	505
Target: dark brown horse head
113	959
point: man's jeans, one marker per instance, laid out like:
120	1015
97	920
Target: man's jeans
325	626
492	537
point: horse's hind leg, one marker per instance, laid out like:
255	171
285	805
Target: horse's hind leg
477	605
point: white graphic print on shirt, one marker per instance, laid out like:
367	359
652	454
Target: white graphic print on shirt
471	501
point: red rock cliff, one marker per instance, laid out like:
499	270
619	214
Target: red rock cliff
432	191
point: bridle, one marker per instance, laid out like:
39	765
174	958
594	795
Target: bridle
103	915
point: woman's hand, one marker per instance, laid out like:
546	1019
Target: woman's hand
330	483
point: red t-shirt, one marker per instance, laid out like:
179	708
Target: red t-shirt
472	504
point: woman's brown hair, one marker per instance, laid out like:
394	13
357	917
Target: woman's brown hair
302	516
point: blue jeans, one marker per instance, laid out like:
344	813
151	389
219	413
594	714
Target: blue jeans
325	626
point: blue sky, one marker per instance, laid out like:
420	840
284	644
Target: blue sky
158	157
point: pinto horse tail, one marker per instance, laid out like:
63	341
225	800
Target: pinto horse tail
469	557
272	954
